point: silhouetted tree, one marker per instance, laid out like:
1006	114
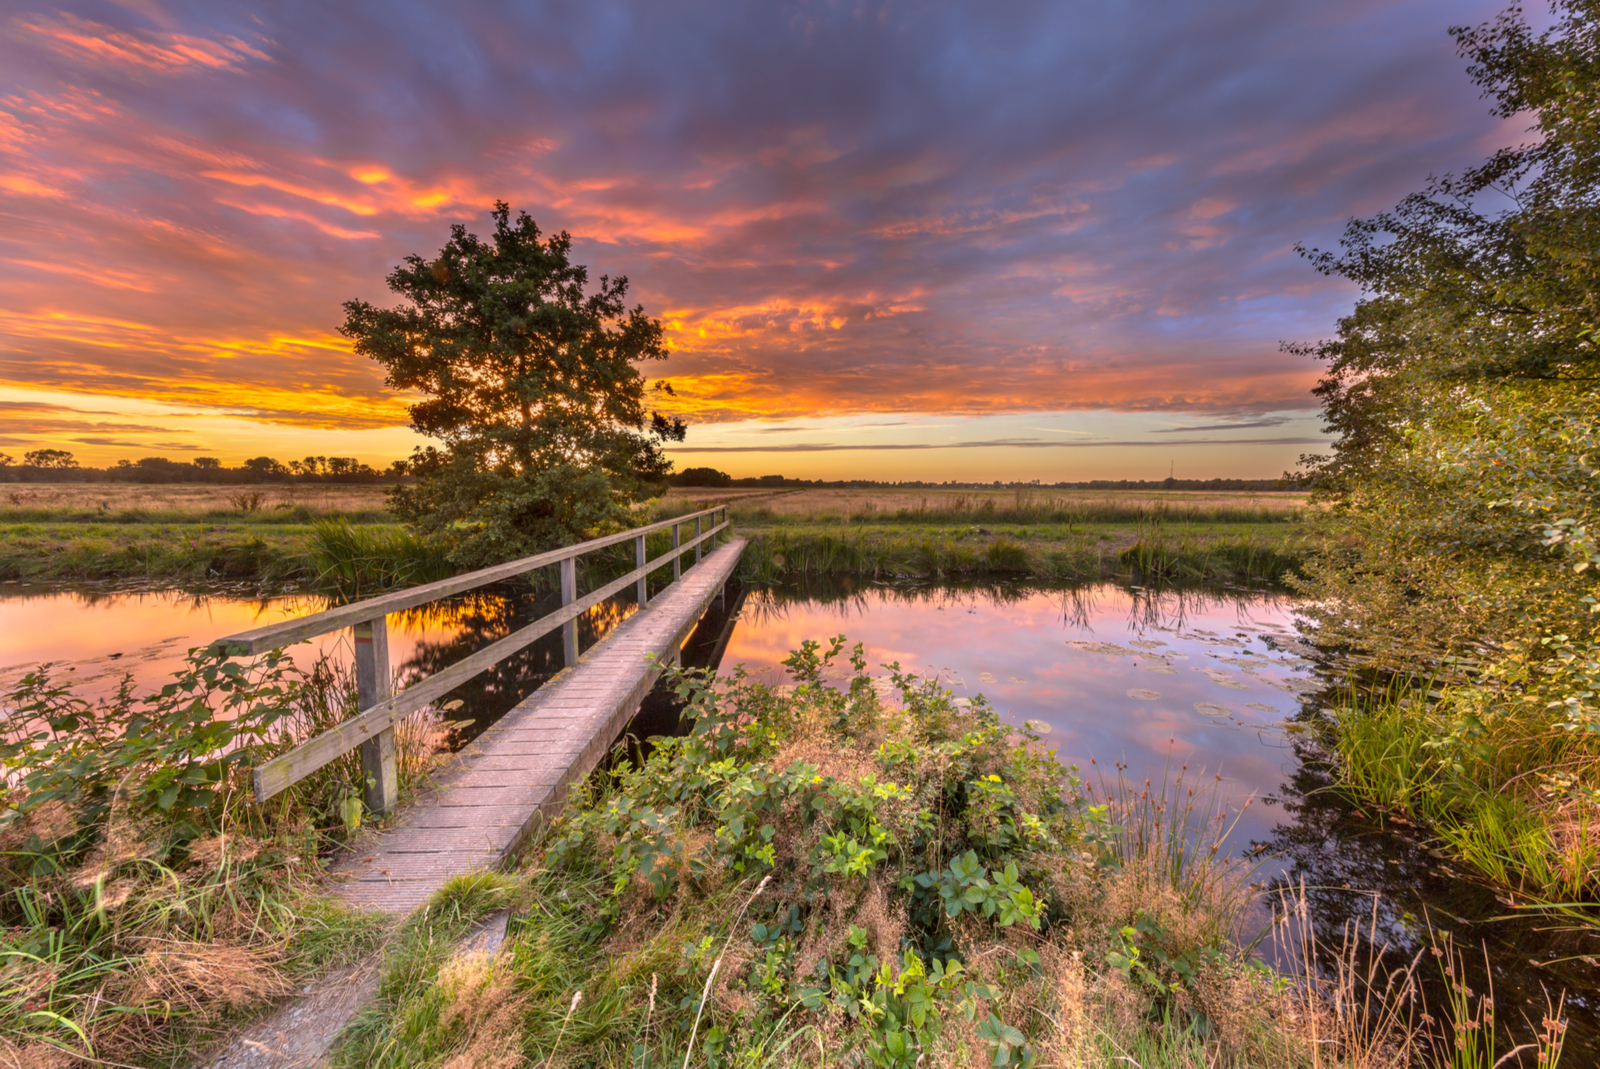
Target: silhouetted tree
531	386
49	458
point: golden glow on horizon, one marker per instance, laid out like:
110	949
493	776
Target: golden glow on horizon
204	274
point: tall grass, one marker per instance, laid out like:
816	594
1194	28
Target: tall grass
147	903
1407	749
785	555
356	562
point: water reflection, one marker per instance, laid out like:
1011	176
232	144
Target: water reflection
96	638
1213	679
1147	678
1358	872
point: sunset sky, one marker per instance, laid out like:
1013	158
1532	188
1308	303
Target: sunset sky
899	240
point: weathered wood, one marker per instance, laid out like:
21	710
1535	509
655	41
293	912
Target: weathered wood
569	630
510	782
288	632
284	771
677	561
373	685
642	592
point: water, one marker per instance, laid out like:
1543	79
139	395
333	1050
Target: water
1153	681
1107	675
98	638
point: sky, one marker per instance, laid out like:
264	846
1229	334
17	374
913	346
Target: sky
898	240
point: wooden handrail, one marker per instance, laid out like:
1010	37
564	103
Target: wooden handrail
373	727
288	632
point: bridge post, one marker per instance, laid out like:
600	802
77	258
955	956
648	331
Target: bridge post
569	594
644	580
373	685
697	535
677	561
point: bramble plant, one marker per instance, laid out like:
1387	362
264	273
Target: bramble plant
170	751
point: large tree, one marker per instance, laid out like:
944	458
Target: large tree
531	385
1463	385
1463	492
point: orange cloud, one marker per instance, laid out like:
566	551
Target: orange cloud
164	53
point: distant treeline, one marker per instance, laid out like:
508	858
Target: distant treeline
711	477
59	466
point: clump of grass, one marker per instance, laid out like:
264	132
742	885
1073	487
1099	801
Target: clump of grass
1511	795
355	562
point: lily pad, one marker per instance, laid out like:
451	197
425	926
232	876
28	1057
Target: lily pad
1212	709
1108	648
1143	694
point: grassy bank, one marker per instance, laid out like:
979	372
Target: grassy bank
864	874
336	553
874	876
344	542
1151	552
1244	538
1509	792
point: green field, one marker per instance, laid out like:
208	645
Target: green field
195	536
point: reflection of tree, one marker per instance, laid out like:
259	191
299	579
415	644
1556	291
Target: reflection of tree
1347	859
485	616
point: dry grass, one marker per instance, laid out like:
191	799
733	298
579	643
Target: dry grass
184	497
851	502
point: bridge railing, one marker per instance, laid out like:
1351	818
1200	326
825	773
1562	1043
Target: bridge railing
372	729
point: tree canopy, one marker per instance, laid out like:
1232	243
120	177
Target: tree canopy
1458	576
1463	387
530	382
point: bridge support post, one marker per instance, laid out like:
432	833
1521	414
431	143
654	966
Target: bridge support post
639	559
697	545
373	683
569	594
677	561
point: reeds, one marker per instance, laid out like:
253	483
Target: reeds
785	555
354	562
1509	799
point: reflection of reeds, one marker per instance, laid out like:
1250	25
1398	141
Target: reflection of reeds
1149	609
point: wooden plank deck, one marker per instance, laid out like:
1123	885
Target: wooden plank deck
513	778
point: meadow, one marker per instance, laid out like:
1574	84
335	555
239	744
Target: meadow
278	537
1016	532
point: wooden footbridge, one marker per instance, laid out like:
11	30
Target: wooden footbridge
502	787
